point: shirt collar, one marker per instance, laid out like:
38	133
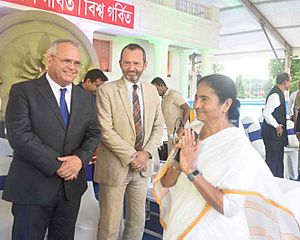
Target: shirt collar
56	87
166	93
130	84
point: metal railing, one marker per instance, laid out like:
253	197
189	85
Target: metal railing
193	8
157	1
189	7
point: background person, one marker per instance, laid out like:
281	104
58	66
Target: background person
173	106
291	105
92	80
53	129
273	130
131	122
221	180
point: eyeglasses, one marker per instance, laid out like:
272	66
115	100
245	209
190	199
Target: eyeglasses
68	62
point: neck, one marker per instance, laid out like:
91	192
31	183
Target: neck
165	91
211	129
281	87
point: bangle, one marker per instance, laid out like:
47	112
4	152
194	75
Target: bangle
175	169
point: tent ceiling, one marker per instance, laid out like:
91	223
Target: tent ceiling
241	35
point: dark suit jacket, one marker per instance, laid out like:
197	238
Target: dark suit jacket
36	132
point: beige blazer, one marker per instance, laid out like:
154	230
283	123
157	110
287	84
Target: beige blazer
118	131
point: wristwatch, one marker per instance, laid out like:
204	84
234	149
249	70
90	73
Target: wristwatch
194	174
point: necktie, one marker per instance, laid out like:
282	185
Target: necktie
63	107
137	119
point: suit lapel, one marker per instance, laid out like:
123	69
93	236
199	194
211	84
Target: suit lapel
75	106
147	107
46	92
123	92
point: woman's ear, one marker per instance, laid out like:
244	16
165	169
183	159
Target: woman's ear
227	104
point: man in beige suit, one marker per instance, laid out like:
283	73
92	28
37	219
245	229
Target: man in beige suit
122	164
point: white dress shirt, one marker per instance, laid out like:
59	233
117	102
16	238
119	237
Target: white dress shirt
56	91
272	103
139	93
292	102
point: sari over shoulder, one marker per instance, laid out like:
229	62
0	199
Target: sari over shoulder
230	163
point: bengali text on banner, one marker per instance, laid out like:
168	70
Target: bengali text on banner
107	11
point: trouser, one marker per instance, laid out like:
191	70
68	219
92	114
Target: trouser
274	156
32	221
111	208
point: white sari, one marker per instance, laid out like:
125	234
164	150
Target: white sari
228	162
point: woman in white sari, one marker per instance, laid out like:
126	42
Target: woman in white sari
221	188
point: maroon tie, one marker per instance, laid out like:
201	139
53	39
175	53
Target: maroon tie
137	119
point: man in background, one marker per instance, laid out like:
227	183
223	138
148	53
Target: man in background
53	130
175	109
292	110
92	80
130	117
273	129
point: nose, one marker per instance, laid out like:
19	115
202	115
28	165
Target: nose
72	65
131	67
196	103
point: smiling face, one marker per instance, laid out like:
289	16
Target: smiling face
132	64
64	66
207	105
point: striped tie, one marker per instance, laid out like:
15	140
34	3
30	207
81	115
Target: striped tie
137	119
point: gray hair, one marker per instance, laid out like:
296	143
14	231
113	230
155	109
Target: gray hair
53	47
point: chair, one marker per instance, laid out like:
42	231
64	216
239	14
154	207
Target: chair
291	153
5	149
293	141
254	133
246	122
89	213
260	120
6	218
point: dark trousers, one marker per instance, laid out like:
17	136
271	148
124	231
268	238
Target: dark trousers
32	221
274	156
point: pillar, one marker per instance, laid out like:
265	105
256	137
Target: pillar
161	49
184	72
207	62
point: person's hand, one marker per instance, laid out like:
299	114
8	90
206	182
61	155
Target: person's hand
70	168
140	160
292	117
189	151
180	132
279	130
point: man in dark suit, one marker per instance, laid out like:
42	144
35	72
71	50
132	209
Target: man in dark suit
52	127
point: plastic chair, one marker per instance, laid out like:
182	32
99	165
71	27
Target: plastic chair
89	213
293	141
291	153
6	218
5	149
254	133
246	122
260	120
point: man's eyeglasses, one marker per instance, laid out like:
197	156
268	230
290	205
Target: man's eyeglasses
68	62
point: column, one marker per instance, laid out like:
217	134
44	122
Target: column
207	62
161	48
184	56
